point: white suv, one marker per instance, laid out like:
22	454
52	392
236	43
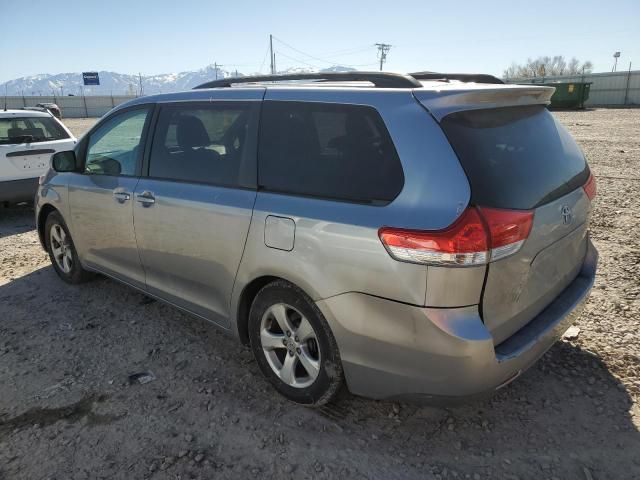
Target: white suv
28	138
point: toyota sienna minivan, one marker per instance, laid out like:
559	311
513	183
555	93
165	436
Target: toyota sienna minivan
417	237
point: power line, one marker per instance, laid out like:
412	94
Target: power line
346	51
264	59
240	64
301	52
358	64
383	49
323	60
316	66
298	60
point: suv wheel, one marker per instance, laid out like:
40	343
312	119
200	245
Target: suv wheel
62	252
293	345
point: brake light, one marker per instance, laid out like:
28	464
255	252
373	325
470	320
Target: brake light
508	229
479	235
590	187
464	243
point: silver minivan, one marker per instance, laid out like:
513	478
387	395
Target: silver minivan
417	236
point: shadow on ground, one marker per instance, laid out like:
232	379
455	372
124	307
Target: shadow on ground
66	353
16	219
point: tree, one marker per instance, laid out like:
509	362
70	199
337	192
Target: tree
547	66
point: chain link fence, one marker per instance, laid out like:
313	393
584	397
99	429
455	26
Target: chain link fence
71	106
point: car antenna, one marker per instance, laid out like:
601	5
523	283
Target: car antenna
6	89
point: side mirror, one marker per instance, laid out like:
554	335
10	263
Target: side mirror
64	161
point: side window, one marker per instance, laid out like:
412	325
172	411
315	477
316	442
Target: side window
206	143
115	147
341	152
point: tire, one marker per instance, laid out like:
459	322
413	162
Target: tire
313	373
70	270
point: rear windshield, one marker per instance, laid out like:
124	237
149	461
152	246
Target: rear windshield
15	130
515	157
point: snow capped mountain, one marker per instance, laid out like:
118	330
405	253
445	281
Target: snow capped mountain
337	68
124	84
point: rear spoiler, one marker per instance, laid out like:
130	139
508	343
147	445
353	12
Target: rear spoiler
457	98
462	77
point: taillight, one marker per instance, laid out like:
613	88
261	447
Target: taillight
464	243
479	235
508	229
590	187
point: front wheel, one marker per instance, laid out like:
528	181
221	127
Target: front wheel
62	251
293	345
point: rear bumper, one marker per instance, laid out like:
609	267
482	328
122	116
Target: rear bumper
22	190
393	350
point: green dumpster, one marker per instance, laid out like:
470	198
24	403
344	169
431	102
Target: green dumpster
569	94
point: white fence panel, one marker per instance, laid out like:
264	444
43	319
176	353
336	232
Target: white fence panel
71	107
615	88
609	88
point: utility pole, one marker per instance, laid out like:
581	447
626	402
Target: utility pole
626	90
271	54
140	82
383	49
84	100
215	68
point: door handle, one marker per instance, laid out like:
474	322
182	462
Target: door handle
146	198
121	196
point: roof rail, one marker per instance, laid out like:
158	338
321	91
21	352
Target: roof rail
379	79
463	77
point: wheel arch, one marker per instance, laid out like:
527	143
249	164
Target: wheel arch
44	212
248	294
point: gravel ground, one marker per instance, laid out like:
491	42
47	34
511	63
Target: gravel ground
68	410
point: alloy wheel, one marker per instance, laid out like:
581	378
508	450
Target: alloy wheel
61	248
290	345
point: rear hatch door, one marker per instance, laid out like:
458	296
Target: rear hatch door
29	160
27	143
519	157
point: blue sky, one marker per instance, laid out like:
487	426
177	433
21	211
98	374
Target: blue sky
170	36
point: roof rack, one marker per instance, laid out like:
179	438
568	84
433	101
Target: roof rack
379	79
463	77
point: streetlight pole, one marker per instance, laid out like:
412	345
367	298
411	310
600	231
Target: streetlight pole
616	56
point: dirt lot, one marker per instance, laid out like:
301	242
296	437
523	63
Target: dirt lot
68	411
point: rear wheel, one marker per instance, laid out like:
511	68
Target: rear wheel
293	345
62	251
